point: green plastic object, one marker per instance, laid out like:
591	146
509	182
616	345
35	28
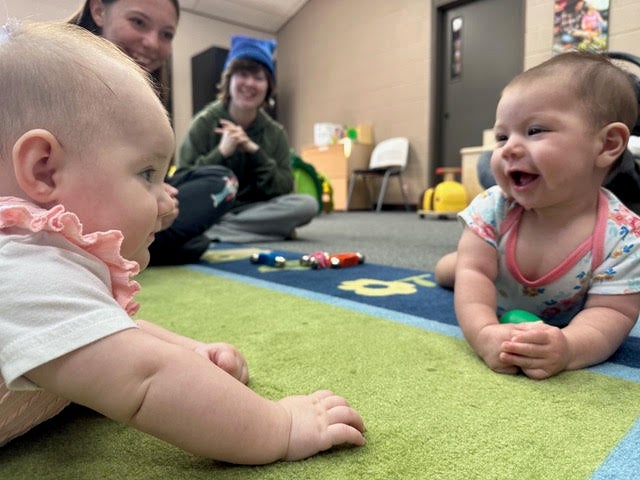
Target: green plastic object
306	179
519	316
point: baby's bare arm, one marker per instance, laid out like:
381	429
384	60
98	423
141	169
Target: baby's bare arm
224	355
475	300
175	394
592	337
600	328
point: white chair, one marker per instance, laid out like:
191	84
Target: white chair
389	158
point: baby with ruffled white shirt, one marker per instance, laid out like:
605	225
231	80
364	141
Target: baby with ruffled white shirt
84	148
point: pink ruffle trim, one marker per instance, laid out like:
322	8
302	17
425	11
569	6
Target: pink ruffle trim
18	213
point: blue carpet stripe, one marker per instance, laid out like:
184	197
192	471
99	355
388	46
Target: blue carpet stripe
622	463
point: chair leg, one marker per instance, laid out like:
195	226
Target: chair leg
383	190
404	196
352	182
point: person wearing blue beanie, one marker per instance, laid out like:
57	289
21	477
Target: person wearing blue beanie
235	132
253	48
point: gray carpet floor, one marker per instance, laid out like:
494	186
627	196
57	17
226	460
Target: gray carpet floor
395	238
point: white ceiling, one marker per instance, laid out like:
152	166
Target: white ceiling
264	15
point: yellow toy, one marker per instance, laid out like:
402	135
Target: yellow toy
447	198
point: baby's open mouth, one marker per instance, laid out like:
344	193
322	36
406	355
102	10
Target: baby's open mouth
522	178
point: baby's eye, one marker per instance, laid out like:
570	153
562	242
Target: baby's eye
501	138
535	130
148	174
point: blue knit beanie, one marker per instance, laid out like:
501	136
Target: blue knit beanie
256	49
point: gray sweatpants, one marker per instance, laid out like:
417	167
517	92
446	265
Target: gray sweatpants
273	220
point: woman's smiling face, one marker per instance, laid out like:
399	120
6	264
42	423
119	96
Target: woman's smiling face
143	29
248	90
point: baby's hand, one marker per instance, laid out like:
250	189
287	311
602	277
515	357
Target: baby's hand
227	357
491	339
540	350
320	421
171	215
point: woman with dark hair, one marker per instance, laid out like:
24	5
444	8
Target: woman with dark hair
144	30
236	132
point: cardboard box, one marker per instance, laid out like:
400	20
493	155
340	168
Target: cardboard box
336	164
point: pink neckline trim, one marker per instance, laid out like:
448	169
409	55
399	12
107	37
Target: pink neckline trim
19	213
593	243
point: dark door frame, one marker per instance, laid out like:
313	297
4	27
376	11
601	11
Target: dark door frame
438	62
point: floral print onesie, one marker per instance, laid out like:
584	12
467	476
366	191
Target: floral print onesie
606	263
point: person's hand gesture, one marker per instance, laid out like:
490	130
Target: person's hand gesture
227	357
540	350
320	421
233	138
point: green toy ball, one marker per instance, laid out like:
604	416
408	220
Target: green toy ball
519	316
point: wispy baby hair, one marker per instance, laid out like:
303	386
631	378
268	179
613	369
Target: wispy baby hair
604	89
60	78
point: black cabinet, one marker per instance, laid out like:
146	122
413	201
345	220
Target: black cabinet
206	71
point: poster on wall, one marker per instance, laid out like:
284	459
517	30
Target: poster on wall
580	25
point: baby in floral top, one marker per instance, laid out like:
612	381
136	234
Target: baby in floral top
548	238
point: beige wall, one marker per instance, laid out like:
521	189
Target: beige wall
351	61
624	34
38	10
359	61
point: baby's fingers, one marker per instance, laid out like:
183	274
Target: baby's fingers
234	364
339	410
320	421
346	416
341	433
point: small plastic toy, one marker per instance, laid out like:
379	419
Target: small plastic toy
319	260
270	259
519	316
343	260
446	199
316	260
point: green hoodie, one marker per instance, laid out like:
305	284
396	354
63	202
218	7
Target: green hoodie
261	175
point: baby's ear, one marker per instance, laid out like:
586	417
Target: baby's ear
37	158
614	140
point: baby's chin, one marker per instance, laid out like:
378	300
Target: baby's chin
144	263
142	258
